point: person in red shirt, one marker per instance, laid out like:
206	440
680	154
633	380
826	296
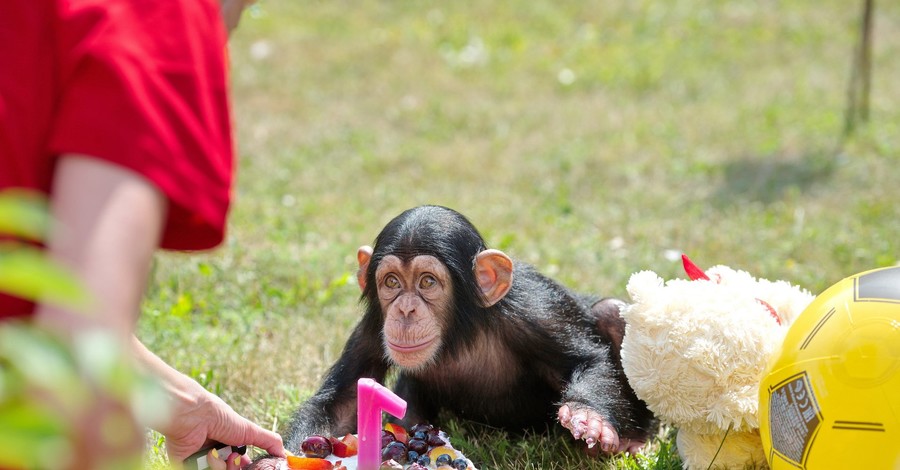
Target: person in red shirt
118	111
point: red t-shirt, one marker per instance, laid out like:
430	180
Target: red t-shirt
141	84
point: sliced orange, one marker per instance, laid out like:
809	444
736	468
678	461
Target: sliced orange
440	450
398	431
308	463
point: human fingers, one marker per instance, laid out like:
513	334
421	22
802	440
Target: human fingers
234	429
179	448
214	460
268	440
233	461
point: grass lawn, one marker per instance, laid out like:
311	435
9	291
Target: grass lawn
591	139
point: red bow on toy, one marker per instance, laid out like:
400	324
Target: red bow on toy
692	270
696	273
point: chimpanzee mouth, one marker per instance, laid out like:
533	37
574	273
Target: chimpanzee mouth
407	349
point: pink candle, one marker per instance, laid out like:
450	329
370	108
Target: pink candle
372	398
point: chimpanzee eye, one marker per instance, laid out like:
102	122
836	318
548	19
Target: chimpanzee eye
391	282
427	282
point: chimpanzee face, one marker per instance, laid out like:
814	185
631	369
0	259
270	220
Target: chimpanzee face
415	297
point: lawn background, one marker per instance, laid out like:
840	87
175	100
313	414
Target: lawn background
591	139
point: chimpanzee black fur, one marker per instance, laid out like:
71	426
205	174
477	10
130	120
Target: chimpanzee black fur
510	365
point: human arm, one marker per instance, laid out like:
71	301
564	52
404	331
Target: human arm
231	12
109	221
107	224
200	416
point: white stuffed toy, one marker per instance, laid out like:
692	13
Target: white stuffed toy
695	351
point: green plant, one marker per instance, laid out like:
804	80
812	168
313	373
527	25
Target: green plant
50	388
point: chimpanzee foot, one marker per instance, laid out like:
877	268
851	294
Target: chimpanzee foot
590	426
632	446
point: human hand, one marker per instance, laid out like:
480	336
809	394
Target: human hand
218	461
201	417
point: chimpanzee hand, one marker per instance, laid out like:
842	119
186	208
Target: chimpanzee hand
589	425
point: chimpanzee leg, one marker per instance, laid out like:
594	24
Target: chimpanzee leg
610	324
593	424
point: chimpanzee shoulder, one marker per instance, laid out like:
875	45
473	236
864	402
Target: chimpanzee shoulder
539	297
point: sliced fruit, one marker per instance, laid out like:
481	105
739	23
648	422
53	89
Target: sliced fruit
434	438
390	465
396	451
398	431
308	463
418	445
316	446
441	450
459	464
348	446
386	438
334	441
421	427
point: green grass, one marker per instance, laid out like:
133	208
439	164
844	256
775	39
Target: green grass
587	138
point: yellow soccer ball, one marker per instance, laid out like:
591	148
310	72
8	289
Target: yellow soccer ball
830	397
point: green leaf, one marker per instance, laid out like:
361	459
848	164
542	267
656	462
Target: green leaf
41	362
27	273
45	382
23	214
32	435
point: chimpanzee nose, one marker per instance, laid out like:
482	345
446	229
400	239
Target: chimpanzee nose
407	304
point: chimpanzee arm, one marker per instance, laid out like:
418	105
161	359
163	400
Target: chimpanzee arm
594	386
420	408
332	410
599	391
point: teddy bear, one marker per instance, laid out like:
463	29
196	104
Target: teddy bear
695	351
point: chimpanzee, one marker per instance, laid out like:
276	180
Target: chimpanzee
474	333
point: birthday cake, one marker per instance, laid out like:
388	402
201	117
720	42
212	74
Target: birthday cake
422	447
392	447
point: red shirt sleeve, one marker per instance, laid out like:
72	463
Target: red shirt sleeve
144	86
141	84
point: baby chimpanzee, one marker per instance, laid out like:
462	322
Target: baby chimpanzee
474	333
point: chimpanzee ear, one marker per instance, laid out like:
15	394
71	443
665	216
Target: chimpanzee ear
363	255
494	273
